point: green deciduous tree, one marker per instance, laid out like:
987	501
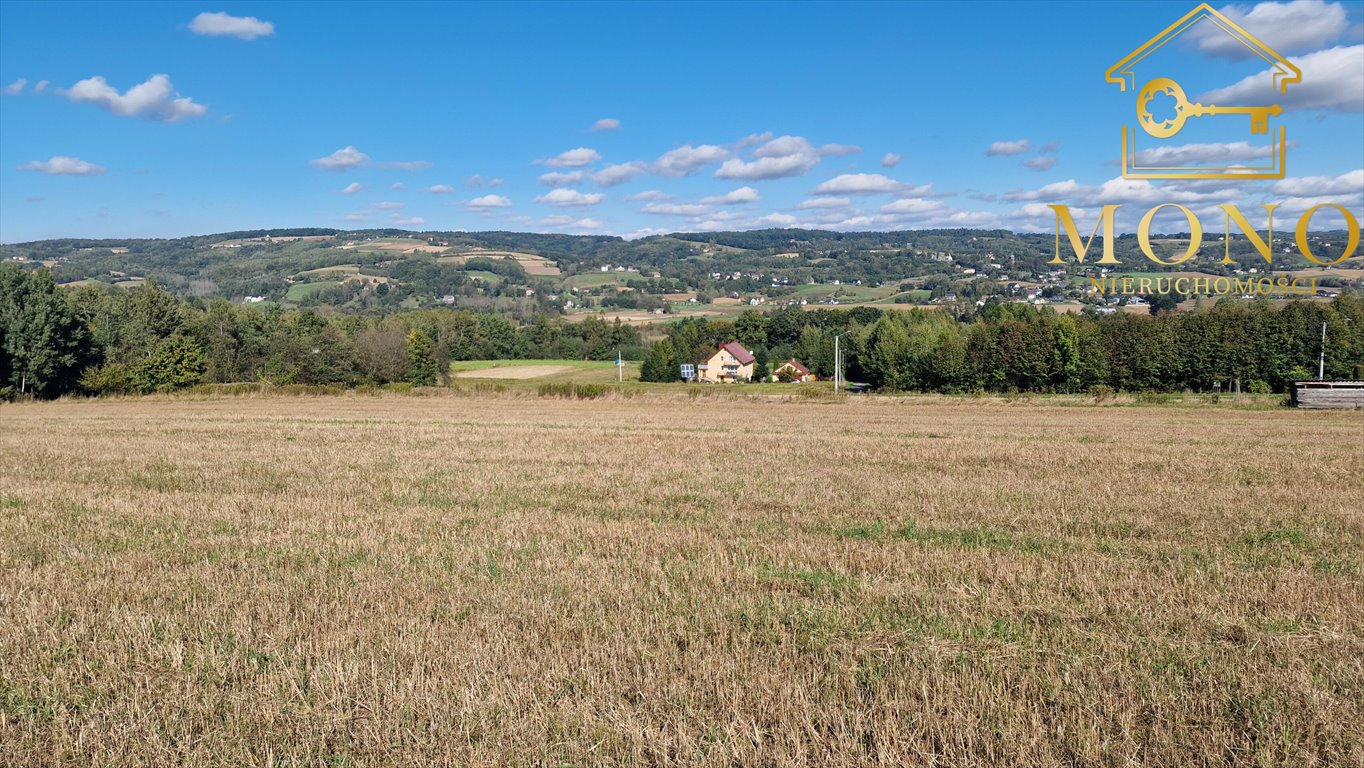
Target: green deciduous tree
174	363
43	344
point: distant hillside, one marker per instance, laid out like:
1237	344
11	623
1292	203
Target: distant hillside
524	274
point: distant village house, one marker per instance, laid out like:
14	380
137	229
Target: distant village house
793	371
731	363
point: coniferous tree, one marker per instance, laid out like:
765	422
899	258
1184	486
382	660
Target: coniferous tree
421	370
660	364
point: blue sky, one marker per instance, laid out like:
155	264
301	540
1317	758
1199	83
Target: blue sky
169	119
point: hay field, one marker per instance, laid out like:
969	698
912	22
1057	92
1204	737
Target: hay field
516	372
672	581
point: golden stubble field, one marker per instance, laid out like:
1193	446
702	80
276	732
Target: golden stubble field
510	580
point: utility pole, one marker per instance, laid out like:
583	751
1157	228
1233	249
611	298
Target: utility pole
838	366
1321	362
620	368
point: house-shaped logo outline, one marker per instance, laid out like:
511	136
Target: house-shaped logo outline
1284	72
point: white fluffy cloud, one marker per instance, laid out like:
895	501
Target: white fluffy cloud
1294	27
1122	191
1017	147
890	160
1055	191
341	160
440	189
838	150
930	214
1041	162
911	207
867	184
1317	186
224	25
17	87
569	198
389	206
561	179
489	201
478	182
155	99
619	173
352	188
574	158
1332	80
688	159
654	195
740	195
407	221
1190	154
1302	193
606	124
781	157
777	220
40	86
64	166
676	209
824	203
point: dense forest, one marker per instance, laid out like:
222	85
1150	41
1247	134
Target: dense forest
96	340
1258	345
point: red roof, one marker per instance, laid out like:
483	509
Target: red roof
794	363
742	355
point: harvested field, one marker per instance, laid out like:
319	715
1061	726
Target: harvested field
536	266
514	372
712	580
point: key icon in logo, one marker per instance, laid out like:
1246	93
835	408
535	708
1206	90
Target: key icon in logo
1164	129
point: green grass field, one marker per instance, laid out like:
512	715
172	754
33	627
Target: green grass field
487	277
598	279
301	291
845	293
917	295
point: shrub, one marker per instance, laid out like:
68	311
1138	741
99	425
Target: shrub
108	379
570	390
1154	398
1101	392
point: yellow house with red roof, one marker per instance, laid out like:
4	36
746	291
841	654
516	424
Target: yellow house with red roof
731	363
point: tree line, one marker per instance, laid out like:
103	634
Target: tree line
1258	345
97	339
101	340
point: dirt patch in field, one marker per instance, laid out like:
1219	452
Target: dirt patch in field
514	372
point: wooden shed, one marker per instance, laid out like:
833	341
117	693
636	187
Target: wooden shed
1328	394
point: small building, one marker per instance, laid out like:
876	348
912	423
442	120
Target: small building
793	371
731	363
1328	394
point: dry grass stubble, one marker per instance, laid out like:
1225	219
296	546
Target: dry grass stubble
493	581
